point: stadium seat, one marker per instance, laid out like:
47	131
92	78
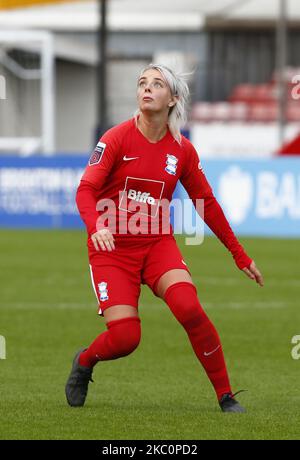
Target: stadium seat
220	111
239	111
263	113
293	111
202	111
264	93
243	93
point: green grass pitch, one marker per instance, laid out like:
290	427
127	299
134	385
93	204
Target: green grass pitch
48	311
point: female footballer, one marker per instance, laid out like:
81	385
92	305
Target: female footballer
121	198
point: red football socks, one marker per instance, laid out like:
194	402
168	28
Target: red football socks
184	304
121	339
123	336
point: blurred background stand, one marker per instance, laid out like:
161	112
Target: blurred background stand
281	62
72	75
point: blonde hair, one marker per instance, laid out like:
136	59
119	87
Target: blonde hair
177	114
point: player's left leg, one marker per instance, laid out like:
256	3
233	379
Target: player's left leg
180	294
172	276
170	279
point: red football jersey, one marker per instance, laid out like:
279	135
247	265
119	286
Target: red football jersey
131	182
139	176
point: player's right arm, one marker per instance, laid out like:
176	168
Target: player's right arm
95	175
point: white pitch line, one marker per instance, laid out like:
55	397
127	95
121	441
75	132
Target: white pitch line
49	305
235	281
150	305
249	305
233	305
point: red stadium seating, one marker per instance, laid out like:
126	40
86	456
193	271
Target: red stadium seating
201	111
263	113
265	93
251	103
221	111
242	93
239	111
293	111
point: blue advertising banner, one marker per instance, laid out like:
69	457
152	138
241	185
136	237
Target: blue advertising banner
40	191
259	197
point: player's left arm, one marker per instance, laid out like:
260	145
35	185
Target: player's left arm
194	181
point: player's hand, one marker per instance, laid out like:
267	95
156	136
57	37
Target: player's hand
103	239
253	273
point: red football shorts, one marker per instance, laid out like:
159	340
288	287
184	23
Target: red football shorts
117	275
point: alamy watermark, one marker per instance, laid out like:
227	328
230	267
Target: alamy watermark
296	88
296	349
2	347
138	212
2	87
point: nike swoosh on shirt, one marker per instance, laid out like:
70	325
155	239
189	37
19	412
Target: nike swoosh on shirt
211	352
125	158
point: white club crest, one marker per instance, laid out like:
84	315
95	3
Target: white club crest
171	164
102	287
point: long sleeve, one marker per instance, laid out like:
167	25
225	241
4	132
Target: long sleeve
86	200
194	181
96	173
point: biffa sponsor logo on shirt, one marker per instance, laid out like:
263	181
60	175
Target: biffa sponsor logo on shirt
145	192
141	197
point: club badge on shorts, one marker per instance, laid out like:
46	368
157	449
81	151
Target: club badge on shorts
171	164
102	287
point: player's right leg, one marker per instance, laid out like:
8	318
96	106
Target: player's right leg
117	291
121	338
